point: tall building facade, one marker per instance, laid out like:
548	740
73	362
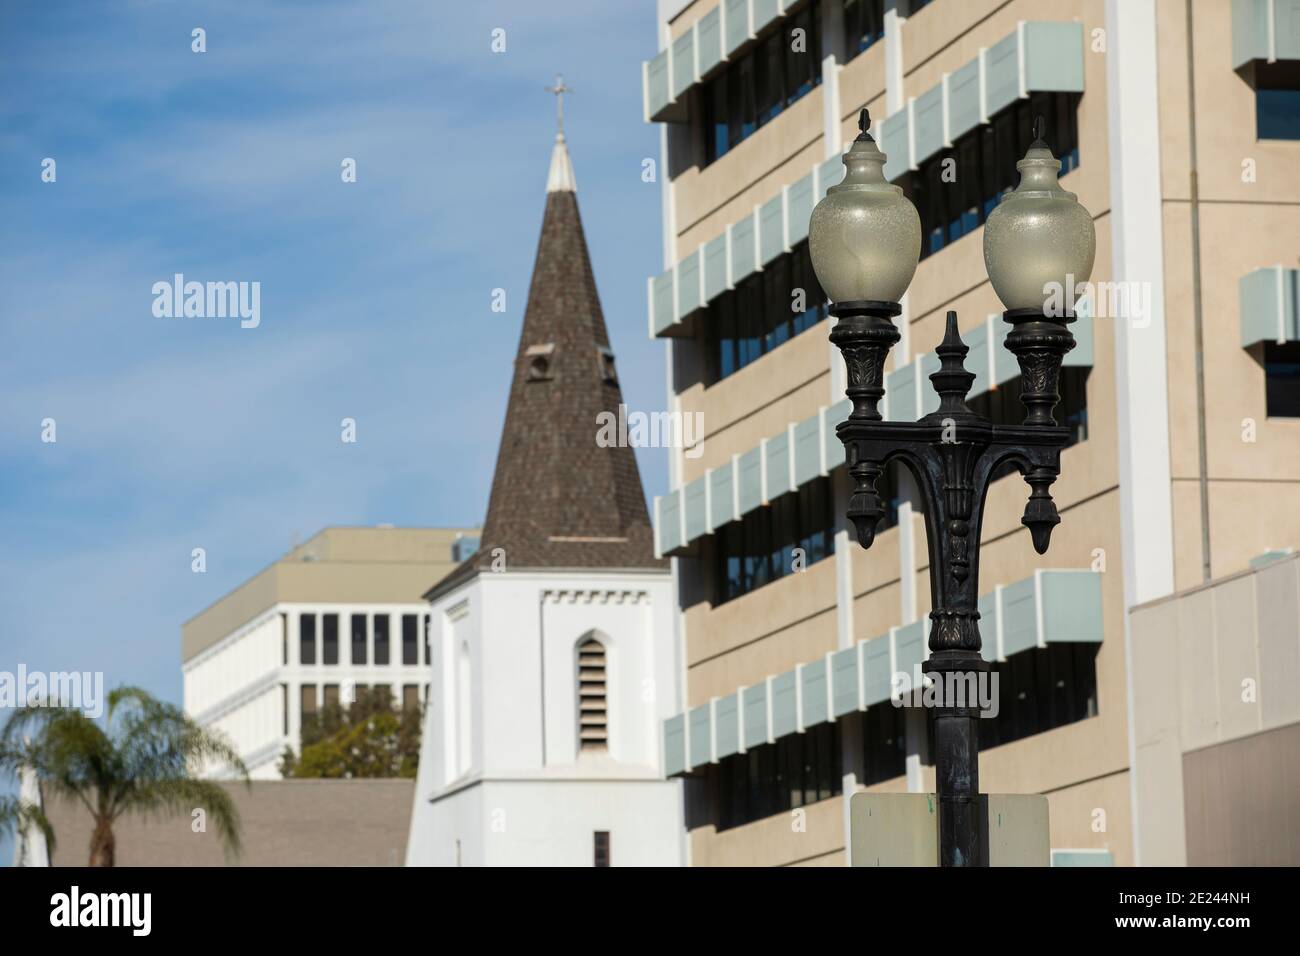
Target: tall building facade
551	648
1178	126
341	612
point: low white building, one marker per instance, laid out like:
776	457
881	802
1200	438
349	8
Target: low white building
552	651
342	611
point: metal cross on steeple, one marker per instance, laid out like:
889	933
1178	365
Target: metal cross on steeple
559	89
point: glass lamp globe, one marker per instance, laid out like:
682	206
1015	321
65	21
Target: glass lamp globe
865	236
1039	243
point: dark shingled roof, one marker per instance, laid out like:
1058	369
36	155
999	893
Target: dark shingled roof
559	500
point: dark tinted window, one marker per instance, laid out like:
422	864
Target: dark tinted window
1277	99
307	639
381	638
359	639
955	190
797	770
410	639
329	639
760	546
884	743
1282	379
783	66
864	25
1041	689
762	313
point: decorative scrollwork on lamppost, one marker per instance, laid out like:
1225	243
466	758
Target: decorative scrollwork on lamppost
864	239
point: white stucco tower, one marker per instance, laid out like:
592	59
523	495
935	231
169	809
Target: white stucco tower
552	652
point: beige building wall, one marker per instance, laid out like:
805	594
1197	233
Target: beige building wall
282	823
338	565
1216	677
1084	768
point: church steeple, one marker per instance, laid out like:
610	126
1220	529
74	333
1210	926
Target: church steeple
559	498
560	178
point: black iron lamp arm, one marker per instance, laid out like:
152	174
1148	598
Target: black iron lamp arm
952	453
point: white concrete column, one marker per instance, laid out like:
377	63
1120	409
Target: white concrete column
1141	384
851	765
832	32
1137	238
895	16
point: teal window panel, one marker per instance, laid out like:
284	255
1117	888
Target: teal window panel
688	286
964	99
701	741
844	681
1269	557
894	144
878	676
749	472
1082	858
909	651
695	500
726	717
1054	56
675	745
715	267
1071	607
834	447
785	702
900	390
765	11
778	465
814	690
927	114
664	308
722	499
657	94
1249	31
742	249
708	39
1081	355
670	522
808	450
683	62
1005	366
771	228
1286	29
1001	74
988	608
1019	617
929	397
755	703
977	360
799	207
737	23
829	173
1268	299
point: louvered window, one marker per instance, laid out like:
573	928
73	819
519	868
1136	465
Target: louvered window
593	716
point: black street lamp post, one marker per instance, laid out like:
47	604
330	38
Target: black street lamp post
863	241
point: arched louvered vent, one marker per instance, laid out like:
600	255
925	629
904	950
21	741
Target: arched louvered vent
593	718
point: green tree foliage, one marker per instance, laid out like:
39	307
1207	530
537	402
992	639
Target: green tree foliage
368	738
143	759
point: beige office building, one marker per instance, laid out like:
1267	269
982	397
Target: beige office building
1178	127
341	612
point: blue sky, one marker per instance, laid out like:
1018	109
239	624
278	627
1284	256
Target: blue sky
375	296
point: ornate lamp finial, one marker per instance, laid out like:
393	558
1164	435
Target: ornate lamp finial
1040	129
864	124
952	381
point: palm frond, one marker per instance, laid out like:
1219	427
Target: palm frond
17	815
183	795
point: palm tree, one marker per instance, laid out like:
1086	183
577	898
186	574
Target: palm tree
141	760
18	816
